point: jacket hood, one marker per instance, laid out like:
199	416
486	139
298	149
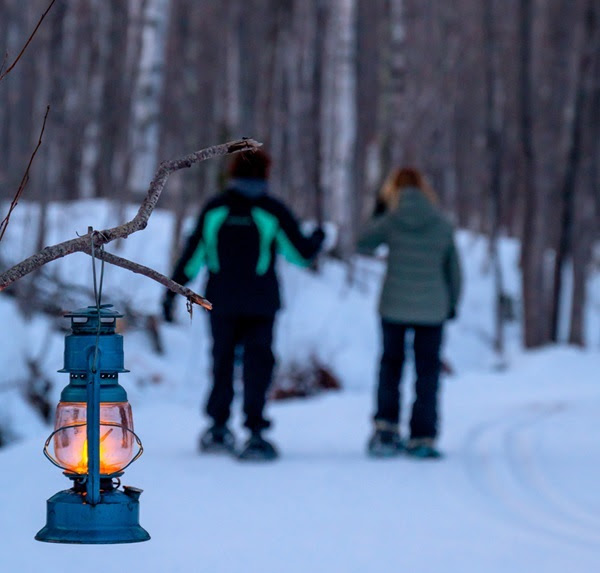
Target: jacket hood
414	210
251	188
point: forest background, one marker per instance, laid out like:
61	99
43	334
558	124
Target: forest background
497	101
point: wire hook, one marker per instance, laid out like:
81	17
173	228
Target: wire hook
97	291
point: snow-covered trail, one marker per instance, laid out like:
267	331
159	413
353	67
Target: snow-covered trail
516	491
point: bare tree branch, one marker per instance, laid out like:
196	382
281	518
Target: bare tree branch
3	74
138	223
9	69
24	181
150	273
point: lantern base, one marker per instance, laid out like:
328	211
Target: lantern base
114	520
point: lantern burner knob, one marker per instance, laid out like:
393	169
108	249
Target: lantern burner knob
133	492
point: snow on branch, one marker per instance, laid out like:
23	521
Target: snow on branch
139	222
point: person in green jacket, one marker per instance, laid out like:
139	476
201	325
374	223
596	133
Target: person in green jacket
420	292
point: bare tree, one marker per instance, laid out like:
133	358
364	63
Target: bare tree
4	71
533	245
494	144
575	152
581	183
395	88
145	134
338	130
338	90
93	242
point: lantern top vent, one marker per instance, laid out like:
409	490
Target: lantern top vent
86	320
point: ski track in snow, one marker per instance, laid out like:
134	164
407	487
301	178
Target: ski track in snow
502	463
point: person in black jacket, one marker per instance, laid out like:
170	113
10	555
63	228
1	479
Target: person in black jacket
238	234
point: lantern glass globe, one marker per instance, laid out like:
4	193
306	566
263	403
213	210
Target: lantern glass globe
116	436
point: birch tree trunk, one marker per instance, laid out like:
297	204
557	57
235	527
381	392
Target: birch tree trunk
338	130
391	125
396	86
145	129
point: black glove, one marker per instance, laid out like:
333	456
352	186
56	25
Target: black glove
167	308
317	237
452	313
380	207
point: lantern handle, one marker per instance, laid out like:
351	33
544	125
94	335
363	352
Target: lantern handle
55	462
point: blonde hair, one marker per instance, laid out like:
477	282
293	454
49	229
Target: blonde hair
401	178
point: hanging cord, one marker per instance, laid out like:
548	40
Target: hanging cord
97	295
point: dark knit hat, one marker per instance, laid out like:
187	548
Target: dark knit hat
250	165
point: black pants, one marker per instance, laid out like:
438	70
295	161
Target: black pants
255	335
426	345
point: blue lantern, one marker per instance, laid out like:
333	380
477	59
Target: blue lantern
93	439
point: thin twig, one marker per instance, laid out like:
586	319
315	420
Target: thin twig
151	273
24	181
28	42
138	223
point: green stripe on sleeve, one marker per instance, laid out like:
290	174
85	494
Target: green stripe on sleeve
267	226
287	249
213	221
193	266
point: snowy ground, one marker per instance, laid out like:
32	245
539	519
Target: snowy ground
517	490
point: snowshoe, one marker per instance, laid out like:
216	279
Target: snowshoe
385	443
258	449
422	448
217	439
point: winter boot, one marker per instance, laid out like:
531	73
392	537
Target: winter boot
217	439
385	441
423	448
258	449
